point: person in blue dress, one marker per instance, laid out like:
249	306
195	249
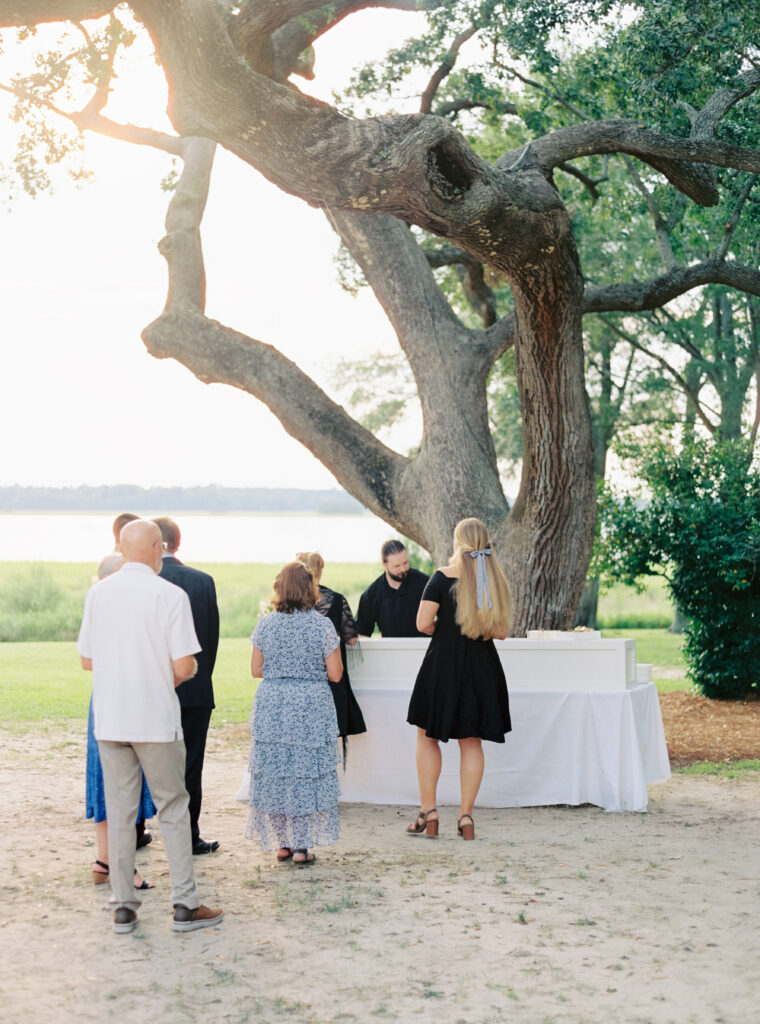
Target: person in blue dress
294	728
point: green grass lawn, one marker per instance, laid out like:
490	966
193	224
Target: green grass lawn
44	600
44	681
623	608
661	650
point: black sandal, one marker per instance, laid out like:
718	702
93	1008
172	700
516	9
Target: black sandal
424	823
100	877
309	858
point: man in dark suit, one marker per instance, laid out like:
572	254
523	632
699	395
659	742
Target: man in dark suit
196	696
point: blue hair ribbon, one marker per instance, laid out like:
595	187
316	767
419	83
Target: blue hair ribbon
483	586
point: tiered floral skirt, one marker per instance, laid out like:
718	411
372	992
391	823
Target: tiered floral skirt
293	765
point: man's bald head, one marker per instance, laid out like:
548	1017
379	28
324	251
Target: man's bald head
141	542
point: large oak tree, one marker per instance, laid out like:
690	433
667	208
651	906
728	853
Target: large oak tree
229	69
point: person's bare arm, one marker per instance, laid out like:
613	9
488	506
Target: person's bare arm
86	663
334	666
426	614
257	663
184	669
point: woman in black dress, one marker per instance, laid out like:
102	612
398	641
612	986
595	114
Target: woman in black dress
460	692
335	607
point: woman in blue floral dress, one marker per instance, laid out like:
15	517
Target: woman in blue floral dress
294	728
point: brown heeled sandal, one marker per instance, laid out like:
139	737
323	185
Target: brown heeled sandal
100	877
466	830
424	823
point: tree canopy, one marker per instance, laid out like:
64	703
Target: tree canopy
506	161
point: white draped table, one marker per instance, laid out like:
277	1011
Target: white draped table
583	729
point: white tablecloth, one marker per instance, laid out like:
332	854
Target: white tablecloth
565	748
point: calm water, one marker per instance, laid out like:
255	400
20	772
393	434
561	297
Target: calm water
205	538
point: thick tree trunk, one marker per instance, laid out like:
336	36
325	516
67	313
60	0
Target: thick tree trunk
551	528
545	541
454	474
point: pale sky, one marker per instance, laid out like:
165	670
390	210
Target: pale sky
81	401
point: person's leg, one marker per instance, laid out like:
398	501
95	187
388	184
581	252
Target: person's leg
195	723
123	783
164	767
101	843
428	770
471	764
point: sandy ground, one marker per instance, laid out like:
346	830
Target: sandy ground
552	915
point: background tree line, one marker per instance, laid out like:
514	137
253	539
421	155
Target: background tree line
131	498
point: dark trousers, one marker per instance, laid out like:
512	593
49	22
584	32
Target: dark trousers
195	722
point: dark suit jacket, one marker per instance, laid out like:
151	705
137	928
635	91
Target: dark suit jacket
197	692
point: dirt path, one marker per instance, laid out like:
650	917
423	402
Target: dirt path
551	915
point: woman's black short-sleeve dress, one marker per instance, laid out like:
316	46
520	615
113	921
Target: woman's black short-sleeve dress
460	689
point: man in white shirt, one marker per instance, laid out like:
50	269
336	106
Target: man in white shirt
137	638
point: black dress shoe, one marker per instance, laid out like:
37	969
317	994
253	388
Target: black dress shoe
144	840
201	846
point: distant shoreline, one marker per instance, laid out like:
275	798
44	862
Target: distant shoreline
202	500
305	513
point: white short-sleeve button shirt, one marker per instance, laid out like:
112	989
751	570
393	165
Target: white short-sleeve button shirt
135	625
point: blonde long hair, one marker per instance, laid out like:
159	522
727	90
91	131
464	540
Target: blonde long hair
472	535
313	561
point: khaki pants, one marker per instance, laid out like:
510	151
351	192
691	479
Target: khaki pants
164	768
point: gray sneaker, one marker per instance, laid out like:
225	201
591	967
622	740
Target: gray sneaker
186	920
124	920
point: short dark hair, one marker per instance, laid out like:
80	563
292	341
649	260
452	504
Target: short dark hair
170	534
294	589
391	547
120	522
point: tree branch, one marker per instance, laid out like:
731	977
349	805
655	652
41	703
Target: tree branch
734	218
590	183
549	90
35	12
677	158
636	296
215	353
681	337
181	246
691	396
453	106
501	336
705	121
272	36
444	69
88	120
478	294
661	234
102	87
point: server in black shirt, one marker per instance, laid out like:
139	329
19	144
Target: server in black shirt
393	599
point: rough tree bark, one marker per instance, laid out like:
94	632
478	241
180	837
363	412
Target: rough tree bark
226	68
